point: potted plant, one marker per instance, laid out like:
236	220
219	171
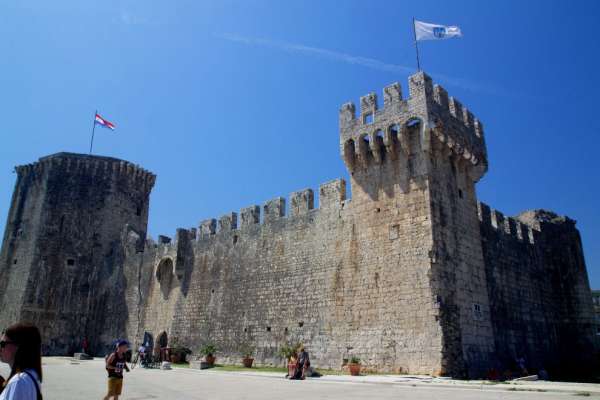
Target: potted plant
247	352
288	352
208	351
354	366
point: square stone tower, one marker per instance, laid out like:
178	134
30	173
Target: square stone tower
416	161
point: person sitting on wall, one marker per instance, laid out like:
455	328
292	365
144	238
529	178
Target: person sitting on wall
302	364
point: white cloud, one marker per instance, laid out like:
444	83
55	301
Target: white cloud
362	61
324	53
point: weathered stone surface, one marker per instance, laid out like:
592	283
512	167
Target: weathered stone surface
73	221
412	274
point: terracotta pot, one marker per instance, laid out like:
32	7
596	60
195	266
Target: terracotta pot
291	369
247	361
354	369
210	359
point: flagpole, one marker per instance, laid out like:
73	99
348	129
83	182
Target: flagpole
416	45
93	129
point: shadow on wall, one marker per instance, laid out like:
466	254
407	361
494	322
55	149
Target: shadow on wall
164	276
383	162
109	313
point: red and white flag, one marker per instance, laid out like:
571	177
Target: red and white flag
101	121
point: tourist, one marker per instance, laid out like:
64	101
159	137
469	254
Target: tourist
21	348
520	361
85	345
115	364
142	355
302	364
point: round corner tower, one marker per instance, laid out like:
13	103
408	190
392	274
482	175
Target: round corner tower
62	257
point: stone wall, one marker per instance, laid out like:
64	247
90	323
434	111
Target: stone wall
539	292
327	277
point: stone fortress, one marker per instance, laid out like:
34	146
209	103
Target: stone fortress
412	274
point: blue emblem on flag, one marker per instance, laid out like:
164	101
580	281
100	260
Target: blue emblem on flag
439	32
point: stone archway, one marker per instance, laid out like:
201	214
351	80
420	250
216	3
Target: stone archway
164	276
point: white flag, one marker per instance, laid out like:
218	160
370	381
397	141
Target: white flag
426	31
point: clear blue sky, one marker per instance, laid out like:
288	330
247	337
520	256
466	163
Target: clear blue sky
234	103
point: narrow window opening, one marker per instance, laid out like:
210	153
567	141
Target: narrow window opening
212	291
460	193
15	261
245	329
477	311
138	211
286	330
235	239
70	261
268	329
394	232
378	209
369	118
301	324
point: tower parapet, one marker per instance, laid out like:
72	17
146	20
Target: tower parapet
377	133
91	166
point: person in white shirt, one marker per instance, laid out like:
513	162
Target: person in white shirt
20	347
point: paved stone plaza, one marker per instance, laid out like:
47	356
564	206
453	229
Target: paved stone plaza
65	380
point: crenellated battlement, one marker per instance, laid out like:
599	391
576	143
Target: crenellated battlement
332	196
90	165
458	128
377	134
508	226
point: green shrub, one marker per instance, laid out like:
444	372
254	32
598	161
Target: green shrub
247	350
208	349
288	350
